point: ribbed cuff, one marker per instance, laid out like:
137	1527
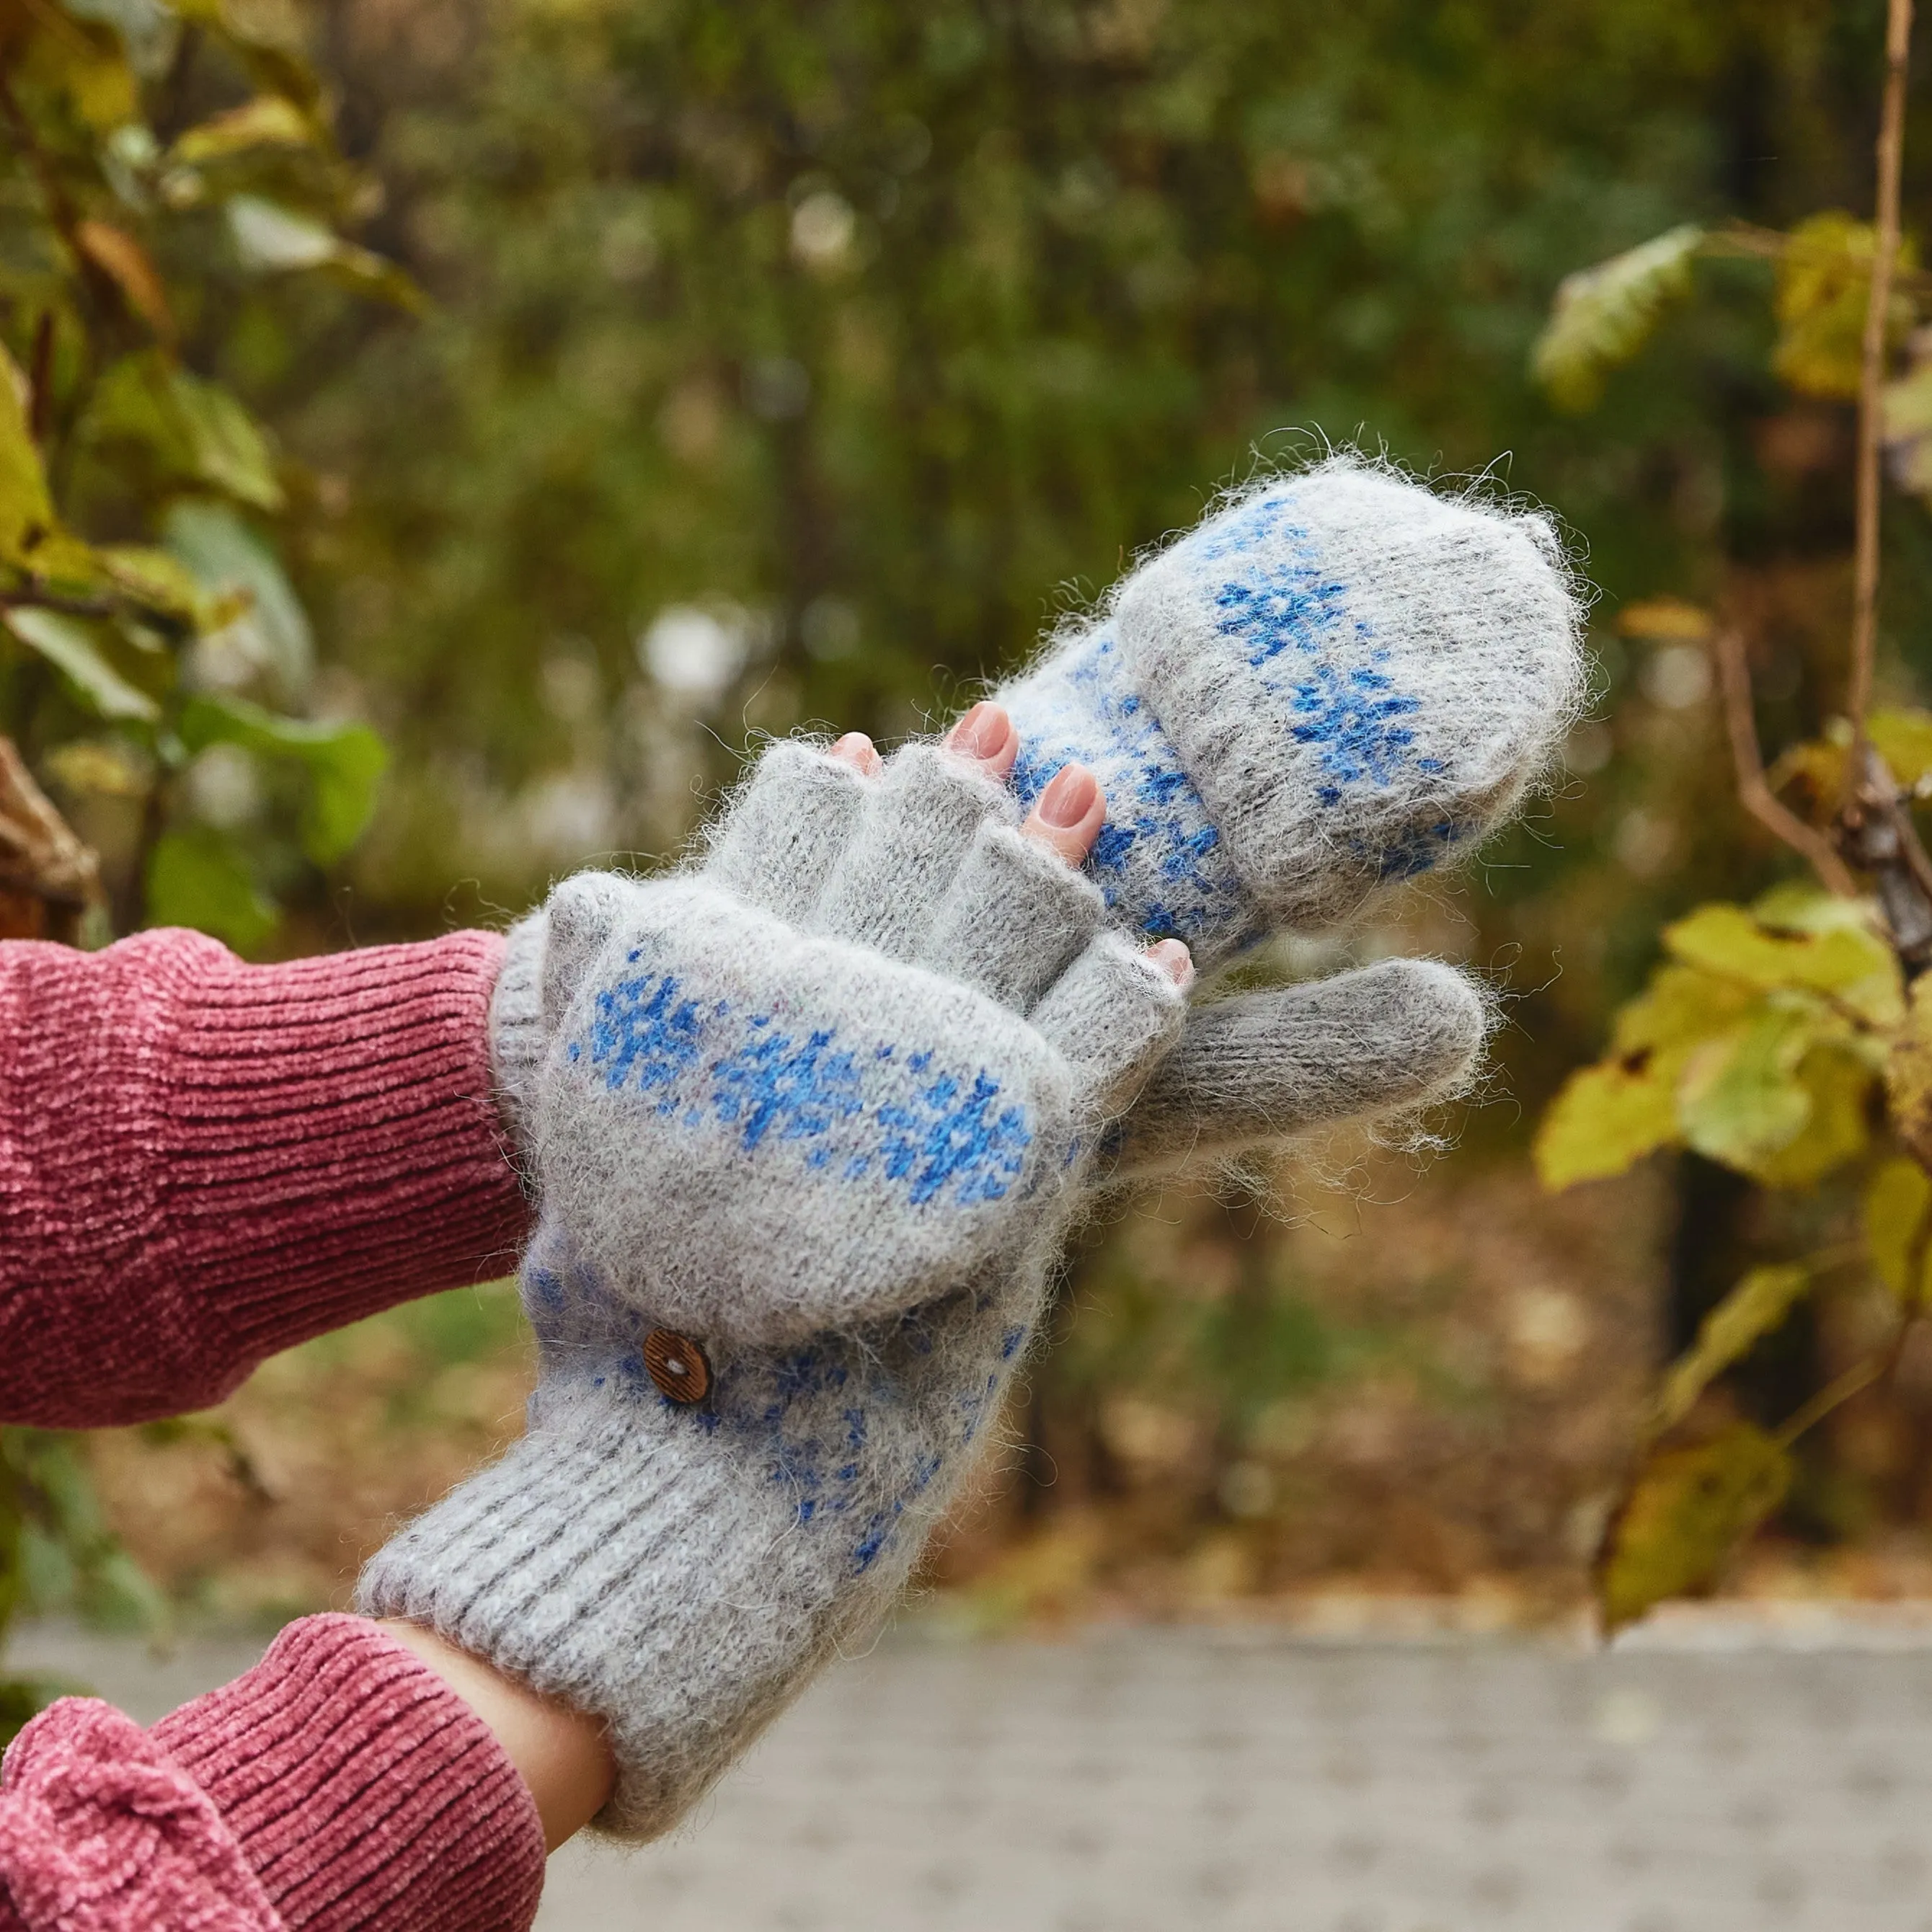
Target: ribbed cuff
211	1162
614	1569
365	1794
337	1148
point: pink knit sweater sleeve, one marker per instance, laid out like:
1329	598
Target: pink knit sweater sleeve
202	1163
339	1786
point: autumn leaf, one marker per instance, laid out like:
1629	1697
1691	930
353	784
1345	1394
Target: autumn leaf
124	262
1603	316
270	120
1605	1120
1752	1309
1897	1201
1819	945
1824	281
1686	1514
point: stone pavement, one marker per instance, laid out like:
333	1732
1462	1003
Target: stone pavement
1715	1776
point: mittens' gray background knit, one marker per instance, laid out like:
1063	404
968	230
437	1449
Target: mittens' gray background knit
836	1149
1338	679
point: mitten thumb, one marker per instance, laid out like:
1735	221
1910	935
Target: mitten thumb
1386	1040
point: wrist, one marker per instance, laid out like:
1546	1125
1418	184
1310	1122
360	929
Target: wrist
562	1754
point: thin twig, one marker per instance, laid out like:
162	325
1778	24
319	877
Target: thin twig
1871	376
1860	1376
1877	834
1756	796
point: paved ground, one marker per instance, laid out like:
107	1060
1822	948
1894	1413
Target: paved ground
1727	1778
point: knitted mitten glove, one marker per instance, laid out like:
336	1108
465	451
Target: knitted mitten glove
1339	679
807	1125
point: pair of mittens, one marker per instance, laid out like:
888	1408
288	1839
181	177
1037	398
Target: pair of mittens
806	1125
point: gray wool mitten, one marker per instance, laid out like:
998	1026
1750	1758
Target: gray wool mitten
1338	679
806	1125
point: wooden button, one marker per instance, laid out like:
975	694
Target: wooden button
677	1366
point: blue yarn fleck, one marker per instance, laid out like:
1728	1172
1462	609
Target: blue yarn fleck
1079	706
769	1082
945	1135
640	1026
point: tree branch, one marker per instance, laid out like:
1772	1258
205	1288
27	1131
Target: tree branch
1885	249
48	878
1757	797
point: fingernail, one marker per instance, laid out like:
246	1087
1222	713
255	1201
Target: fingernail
857	750
1068	798
1173	958
980	733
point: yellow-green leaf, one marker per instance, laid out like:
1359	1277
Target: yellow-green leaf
269	121
1896	1204
1606	1119
195	428
1603	316
275	239
1680	1008
26	510
105	766
1738	1098
1838	1083
1902	737
161	582
1824	279
1840	956
73	647
1665	620
86	63
1610	1116
1687	1513
1752	1309
31	535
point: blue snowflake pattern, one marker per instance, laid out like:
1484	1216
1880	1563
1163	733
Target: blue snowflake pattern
1285	606
768	1082
946	1135
1420	849
1159	851
641	1027
1354	717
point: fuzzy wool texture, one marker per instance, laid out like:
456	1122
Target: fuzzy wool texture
825	1106
1376	1046
1338	680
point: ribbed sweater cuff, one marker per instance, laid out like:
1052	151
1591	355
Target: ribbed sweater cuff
343	1105
365	1794
202	1163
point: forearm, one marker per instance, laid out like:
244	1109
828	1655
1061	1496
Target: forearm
202	1163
